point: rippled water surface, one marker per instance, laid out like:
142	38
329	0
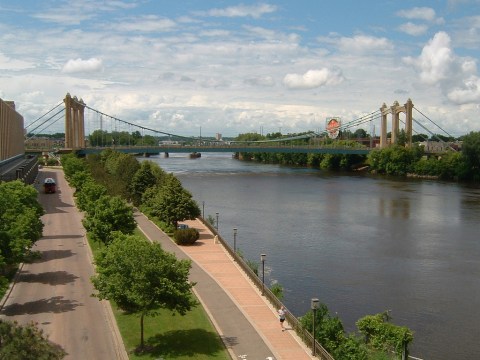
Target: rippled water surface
361	244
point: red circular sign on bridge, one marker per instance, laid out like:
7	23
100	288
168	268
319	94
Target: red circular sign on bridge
333	127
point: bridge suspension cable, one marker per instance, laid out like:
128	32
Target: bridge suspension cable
44	122
433	122
136	125
48	112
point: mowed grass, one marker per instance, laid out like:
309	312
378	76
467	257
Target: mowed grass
168	336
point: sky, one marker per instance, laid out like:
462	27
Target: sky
192	67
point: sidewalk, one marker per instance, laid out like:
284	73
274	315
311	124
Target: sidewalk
245	320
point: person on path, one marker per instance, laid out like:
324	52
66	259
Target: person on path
281	315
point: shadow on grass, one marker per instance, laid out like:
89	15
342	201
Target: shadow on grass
183	343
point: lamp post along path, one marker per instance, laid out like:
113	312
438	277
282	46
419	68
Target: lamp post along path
235	240
262	258
314	310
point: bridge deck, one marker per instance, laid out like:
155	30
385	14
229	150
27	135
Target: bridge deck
229	149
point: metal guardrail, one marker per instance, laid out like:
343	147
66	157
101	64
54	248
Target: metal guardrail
306	336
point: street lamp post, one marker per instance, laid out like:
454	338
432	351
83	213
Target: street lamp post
203	209
314	309
235	240
217	220
262	258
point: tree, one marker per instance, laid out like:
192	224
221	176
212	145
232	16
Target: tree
360	134
90	192
141	278
328	330
330	333
471	152
110	213
170	202
147	176
383	335
26	343
20	223
71	164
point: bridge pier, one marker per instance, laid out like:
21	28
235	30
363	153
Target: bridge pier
395	110
74	122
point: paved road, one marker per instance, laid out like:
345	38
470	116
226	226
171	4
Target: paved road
55	290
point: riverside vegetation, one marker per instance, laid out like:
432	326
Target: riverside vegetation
396	160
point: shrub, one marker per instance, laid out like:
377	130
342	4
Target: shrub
186	236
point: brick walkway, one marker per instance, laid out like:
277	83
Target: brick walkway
216	261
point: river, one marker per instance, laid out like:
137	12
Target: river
359	243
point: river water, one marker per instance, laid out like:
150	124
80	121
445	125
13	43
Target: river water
360	244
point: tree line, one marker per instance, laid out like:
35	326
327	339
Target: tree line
395	160
137	275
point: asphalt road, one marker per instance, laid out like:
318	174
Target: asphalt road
55	291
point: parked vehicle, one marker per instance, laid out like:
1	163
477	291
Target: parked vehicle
50	186
182	226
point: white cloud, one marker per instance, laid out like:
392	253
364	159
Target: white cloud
418	13
469	93
363	44
7	63
255	11
150	23
313	79
413	29
436	59
260	81
79	65
439	65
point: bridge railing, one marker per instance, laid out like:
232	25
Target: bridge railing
292	320
26	170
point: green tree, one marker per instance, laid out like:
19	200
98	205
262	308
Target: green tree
71	164
110	213
26	343
20	223
277	290
90	192
100	138
360	133
471	152
394	160
148	175
250	137
79	178
383	335
170	202
328	330
141	278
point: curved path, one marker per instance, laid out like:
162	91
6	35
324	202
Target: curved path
54	291
245	320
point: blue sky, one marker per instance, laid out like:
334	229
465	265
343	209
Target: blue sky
233	67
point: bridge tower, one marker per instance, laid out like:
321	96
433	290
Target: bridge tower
395	110
74	122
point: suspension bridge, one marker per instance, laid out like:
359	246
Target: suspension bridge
107	131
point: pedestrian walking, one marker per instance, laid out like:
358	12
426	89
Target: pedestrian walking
282	312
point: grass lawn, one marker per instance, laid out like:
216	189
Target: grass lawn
170	336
